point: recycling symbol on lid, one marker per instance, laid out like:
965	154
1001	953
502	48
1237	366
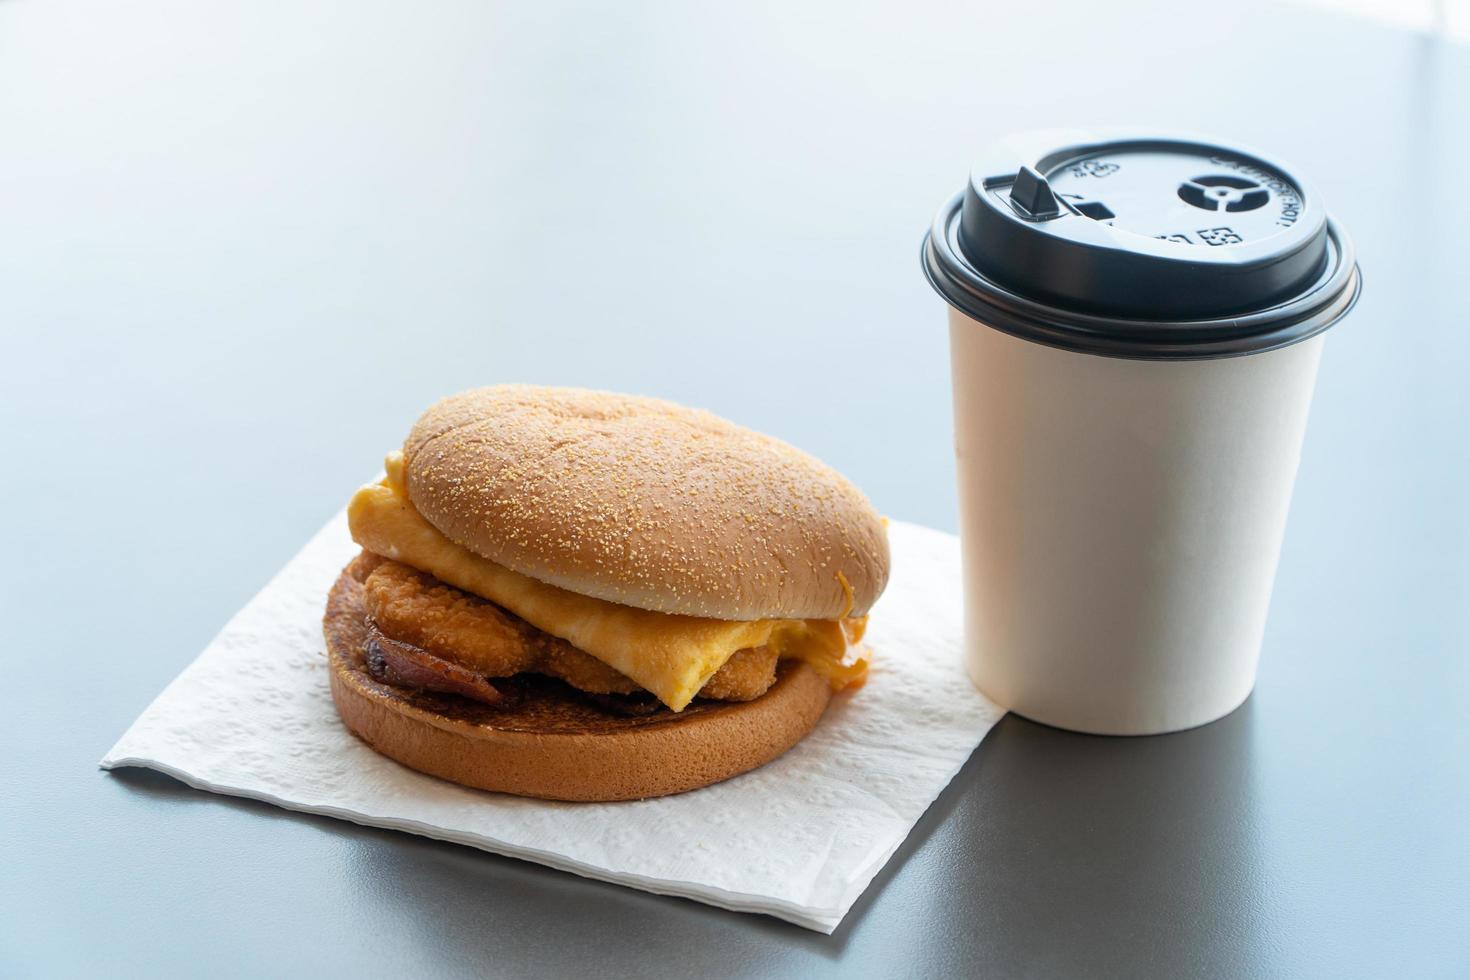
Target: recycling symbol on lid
1223	193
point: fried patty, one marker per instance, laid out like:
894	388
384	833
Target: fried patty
414	607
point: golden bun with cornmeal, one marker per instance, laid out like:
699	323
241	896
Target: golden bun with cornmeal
646	503
579	595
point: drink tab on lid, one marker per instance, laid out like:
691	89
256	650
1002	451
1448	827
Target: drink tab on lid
1140	246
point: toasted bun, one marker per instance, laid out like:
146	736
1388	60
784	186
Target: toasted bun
645	503
553	743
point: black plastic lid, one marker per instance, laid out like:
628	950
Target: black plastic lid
1140	246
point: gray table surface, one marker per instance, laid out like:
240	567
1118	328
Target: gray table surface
243	244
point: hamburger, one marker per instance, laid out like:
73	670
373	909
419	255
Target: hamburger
578	595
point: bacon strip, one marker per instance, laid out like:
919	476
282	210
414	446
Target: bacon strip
405	665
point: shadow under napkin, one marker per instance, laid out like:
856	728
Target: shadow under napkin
991	873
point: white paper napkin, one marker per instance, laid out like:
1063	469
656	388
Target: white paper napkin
799	838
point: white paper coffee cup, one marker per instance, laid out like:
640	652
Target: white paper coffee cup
1124	478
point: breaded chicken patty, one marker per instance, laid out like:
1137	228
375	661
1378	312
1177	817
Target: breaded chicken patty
415	608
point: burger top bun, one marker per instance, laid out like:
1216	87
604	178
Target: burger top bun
647	503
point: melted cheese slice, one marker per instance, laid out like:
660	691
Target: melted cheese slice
669	655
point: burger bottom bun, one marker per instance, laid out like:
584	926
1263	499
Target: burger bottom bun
553	743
